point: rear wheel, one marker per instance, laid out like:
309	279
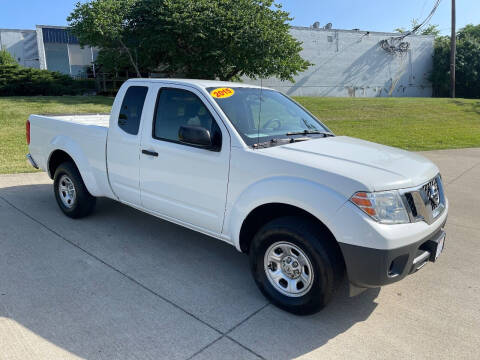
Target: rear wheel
71	194
295	264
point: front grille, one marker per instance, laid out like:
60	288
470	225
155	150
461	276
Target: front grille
411	204
426	202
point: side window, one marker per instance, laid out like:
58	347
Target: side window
176	108
131	110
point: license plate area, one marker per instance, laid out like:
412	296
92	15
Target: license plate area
440	246
435	246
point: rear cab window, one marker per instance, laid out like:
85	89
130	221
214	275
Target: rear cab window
132	108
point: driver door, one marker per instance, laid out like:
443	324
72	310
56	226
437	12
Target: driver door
182	182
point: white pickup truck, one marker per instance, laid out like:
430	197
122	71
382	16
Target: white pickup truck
251	167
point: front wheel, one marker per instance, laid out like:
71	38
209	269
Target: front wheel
71	194
295	264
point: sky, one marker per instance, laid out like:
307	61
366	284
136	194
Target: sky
372	15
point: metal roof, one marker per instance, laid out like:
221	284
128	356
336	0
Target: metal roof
58	35
17	30
362	32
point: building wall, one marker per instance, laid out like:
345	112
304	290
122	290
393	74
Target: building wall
60	51
22	45
49	48
352	63
346	63
56	57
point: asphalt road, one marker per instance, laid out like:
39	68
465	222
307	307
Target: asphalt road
124	285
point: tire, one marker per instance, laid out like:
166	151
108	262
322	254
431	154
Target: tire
77	204
313	253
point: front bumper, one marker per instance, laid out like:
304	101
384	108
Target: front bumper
368	267
378	254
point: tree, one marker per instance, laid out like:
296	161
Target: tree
440	76
111	61
469	31
105	23
222	39
428	30
467	64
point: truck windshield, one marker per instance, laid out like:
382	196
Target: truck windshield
275	117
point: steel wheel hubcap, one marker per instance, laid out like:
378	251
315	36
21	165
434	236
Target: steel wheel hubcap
67	192
288	269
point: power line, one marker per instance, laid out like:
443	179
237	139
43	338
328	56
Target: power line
423	8
397	45
424	22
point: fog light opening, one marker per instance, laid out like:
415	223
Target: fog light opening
397	266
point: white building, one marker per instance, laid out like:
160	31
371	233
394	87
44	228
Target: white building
48	47
22	45
353	63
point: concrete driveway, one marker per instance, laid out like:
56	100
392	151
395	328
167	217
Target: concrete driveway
124	285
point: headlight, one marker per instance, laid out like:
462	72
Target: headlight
385	207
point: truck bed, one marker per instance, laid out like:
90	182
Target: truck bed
83	119
83	137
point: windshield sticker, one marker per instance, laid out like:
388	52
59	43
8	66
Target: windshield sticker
222	93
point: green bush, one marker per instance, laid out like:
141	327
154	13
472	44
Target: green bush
467	64
20	81
6	58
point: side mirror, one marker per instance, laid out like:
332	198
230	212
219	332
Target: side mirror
195	135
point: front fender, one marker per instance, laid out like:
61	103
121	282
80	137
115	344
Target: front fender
68	145
317	199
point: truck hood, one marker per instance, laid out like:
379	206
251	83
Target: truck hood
375	167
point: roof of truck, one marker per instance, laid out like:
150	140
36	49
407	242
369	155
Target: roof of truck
198	82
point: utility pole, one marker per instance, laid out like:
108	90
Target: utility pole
453	50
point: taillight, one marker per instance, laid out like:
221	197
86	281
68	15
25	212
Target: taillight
28	132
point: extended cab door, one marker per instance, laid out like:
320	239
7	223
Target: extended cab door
123	144
180	181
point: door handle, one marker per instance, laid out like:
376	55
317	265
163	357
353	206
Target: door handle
149	153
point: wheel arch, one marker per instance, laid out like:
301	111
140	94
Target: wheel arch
56	158
67	151
280	196
265	213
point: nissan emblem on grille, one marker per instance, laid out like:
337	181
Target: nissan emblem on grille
433	194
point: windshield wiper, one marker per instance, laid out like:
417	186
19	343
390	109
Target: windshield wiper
309	132
275	141
271	142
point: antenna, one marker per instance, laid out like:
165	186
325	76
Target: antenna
260	110
261	87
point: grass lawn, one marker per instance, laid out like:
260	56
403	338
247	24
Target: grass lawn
14	112
408	123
